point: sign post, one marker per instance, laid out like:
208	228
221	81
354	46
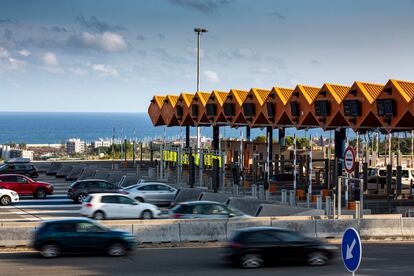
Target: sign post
351	249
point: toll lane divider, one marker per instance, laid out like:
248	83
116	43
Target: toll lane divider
210	230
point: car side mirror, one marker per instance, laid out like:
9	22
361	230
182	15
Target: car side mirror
231	215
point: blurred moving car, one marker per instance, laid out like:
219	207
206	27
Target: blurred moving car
80	189
53	238
255	246
22	168
116	206
8	197
204	209
152	192
25	186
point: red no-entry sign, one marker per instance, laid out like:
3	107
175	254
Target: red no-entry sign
349	159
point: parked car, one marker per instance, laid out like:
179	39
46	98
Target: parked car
8	197
117	206
19	168
25	186
256	246
204	209
53	238
152	192
79	190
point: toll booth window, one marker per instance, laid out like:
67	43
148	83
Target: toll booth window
404	174
351	108
270	110
294	109
179	110
194	110
211	109
248	109
322	108
382	173
385	108
228	109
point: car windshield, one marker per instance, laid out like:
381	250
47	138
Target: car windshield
3	166
236	212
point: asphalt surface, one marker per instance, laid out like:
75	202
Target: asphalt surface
378	259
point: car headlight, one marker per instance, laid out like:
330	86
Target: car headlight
14	194
329	247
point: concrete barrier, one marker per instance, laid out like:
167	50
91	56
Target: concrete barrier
270	210
64	170
334	228
237	223
305	227
407	225
157	231
129	180
75	173
217	197
101	174
186	194
115	177
203	230
246	205
87	173
380	228
54	168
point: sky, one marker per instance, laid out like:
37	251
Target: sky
113	56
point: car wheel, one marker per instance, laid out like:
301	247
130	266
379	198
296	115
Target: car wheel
99	215
252	261
140	199
40	193
317	258
80	198
5	200
116	250
147	214
50	251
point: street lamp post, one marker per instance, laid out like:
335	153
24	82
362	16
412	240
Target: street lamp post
199	31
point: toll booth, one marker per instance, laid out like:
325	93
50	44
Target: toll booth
232	107
214	107
277	100
358	105
326	106
300	106
154	110
182	109
255	108
393	105
168	111
198	109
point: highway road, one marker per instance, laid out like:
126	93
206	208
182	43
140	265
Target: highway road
378	259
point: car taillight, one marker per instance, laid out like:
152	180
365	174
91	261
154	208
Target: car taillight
124	192
87	205
177	216
234	245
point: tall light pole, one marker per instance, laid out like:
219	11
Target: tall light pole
199	31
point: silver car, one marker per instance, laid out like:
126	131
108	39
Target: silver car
204	209
151	192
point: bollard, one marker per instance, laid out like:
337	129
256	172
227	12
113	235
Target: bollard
292	198
236	190
254	190
328	206
267	195
357	210
308	199
261	192
319	202
284	196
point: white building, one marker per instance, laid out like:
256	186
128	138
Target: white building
7	152
101	143
75	145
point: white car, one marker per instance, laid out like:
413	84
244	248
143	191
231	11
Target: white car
117	206
151	192
8	197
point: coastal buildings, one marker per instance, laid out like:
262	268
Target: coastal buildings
75	145
7	152
101	143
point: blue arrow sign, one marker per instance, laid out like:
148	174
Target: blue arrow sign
351	249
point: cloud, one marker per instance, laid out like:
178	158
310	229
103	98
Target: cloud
78	71
193	51
7	62
277	15
50	59
279	62
316	62
211	76
93	24
24	52
160	36
8	35
105	70
166	56
246	53
107	41
7	21
204	6
59	29
141	37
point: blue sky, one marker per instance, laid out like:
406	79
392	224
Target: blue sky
114	55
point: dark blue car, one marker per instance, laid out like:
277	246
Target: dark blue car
80	235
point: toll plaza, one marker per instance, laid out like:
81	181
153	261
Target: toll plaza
377	119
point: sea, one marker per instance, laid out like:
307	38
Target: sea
57	127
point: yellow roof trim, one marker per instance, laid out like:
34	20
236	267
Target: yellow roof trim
260	94
309	92
239	95
283	93
370	90
173	99
159	100
220	96
337	91
405	88
203	96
